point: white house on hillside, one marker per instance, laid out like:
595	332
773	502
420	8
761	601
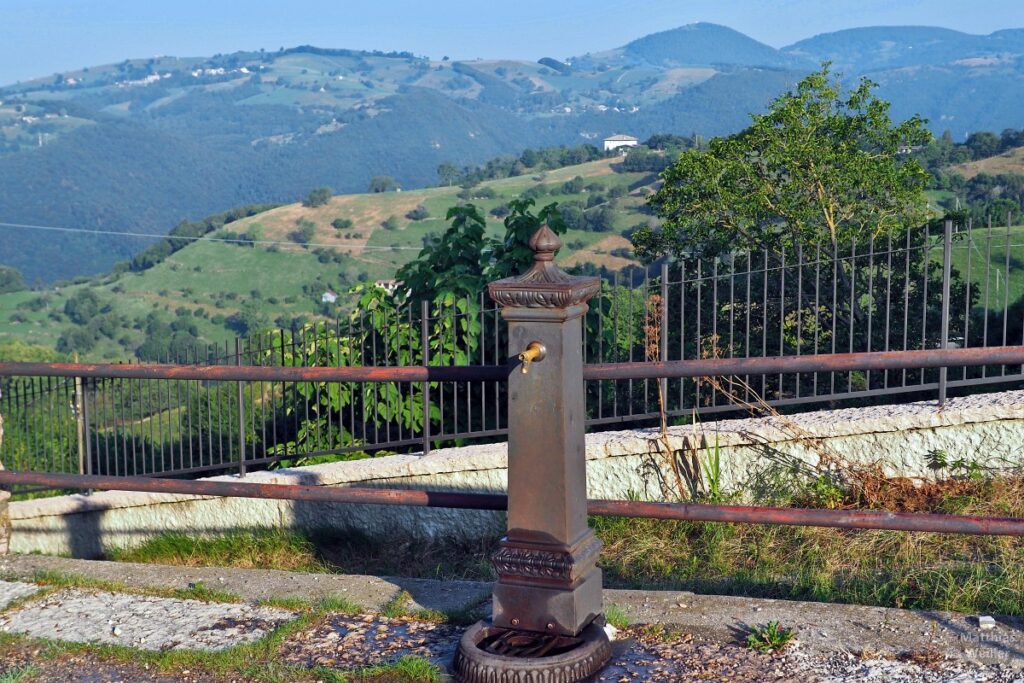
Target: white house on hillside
617	141
328	297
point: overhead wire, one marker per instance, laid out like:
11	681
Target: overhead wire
123	233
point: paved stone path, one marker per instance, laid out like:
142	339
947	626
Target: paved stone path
15	590
668	654
145	622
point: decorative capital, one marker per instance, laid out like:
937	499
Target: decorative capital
544	285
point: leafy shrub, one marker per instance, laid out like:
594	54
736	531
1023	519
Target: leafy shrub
318	197
418	213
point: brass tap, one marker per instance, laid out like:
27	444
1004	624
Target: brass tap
534	352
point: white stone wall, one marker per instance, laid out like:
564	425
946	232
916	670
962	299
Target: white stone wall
988	429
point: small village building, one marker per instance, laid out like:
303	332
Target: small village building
619	141
389	285
328	297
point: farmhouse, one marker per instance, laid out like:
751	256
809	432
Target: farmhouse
617	141
390	285
328	297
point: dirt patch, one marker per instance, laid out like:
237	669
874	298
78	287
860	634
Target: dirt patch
366	212
358	642
588	170
1011	161
674	80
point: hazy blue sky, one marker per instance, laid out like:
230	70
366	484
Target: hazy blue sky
40	37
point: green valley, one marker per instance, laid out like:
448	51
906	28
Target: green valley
260	271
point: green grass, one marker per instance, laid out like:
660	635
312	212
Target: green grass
987	264
965	574
885	568
770	637
262	548
54	580
318	552
18	674
616	616
219	277
199	591
408	668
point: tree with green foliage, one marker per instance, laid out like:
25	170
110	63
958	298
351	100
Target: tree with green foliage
463	260
448	173
340	224
304	232
82	306
250	319
76	340
418	213
983	144
11	280
453	262
318	197
818	168
382	183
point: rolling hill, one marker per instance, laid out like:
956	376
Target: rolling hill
213	281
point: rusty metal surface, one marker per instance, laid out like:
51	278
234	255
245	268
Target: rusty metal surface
548	580
323	494
255	373
732	514
841	519
823	362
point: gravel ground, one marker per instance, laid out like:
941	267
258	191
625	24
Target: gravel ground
845	668
640	654
658	653
341	641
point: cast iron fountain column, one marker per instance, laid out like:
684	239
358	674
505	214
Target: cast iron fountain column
548	593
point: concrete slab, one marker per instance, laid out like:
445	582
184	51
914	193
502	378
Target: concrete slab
830	628
822	628
369	593
144	622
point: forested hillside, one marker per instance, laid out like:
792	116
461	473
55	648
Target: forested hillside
140	145
258	266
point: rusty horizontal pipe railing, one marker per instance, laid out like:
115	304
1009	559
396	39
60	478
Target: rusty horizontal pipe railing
731	514
235	489
710	367
259	373
822	362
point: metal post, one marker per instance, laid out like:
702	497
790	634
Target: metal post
79	423
241	411
947	257
549	585
663	335
88	440
425	346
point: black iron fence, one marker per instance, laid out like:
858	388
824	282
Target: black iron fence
838	518
955	287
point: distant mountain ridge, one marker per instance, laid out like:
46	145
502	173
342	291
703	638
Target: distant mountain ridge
891	47
709	45
139	145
